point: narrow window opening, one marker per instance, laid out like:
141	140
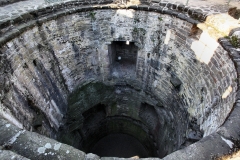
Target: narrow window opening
123	58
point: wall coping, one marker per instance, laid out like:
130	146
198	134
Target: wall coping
222	142
11	28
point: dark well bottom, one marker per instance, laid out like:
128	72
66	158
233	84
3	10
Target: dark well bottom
119	145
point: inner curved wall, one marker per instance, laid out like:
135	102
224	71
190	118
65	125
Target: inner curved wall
48	62
96	110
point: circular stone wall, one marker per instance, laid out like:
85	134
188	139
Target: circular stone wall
172	85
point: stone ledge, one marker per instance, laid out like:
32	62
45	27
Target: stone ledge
7	2
35	146
231	129
5	155
207	148
44	18
28	20
40	147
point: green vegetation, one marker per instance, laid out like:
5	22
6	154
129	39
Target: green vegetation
153	40
135	30
160	19
141	31
92	15
136	20
234	40
235	80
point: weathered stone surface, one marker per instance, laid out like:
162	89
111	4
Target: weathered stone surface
81	57
91	156
65	47
207	148
8	131
230	129
115	158
6	155
175	82
7	2
34	146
